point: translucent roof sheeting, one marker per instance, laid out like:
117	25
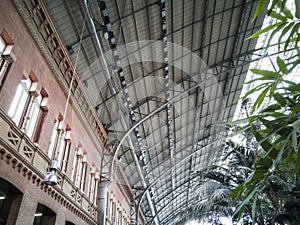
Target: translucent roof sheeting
184	60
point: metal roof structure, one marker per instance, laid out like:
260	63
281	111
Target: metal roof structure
169	70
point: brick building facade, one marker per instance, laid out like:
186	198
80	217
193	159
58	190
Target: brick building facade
38	123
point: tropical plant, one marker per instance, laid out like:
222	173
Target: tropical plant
276	128
216	182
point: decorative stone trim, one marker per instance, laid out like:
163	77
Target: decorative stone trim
37	180
38	20
17	150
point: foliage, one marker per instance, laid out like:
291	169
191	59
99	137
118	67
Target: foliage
275	127
259	184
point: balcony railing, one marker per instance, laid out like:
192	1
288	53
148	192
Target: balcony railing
27	158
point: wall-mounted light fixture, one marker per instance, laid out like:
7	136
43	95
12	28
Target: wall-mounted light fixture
51	178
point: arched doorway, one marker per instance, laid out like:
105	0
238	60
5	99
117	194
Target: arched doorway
10	200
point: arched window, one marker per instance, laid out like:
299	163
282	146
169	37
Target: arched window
119	214
20	100
56	132
44	215
69	223
113	210
27	103
94	179
10	200
79	169
66	146
41	117
60	143
6	55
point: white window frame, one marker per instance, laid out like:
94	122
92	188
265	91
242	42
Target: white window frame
26	106
79	169
6	57
55	138
19	101
66	150
2	47
91	184
32	115
83	173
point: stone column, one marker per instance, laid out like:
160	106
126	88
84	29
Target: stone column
102	201
27	209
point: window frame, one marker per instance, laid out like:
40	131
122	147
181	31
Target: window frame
66	149
7	57
55	137
27	103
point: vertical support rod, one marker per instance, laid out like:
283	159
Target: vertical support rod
102	201
133	211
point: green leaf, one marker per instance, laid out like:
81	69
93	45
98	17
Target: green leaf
280	99
256	89
274	2
287	13
253	209
284	9
275	32
277	114
262	166
294	140
260	99
240	130
236	192
261	79
284	32
241	212
297	4
266	73
287	161
290	102
264	30
297	161
272	108
279	155
249	195
296	126
264	143
259	7
294	87
290	38
242	120
281	64
289	82
276	15
283	4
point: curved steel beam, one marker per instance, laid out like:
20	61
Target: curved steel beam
167	171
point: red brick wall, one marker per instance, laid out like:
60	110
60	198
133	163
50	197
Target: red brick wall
29	57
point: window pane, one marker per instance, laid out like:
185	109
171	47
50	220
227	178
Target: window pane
52	140
33	115
19	101
66	154
74	168
2	46
44	215
60	147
